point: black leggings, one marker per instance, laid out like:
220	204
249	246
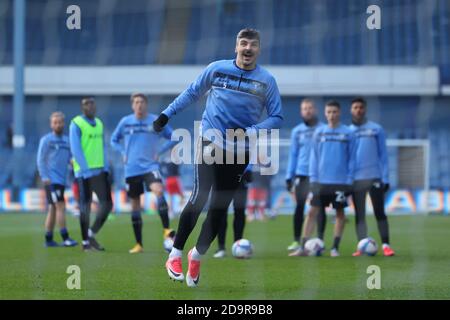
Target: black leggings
102	188
239	204
302	189
376	192
220	181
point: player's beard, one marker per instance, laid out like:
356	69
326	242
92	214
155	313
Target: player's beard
59	132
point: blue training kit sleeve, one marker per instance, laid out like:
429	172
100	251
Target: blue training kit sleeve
383	156
117	137
194	92
42	159
293	154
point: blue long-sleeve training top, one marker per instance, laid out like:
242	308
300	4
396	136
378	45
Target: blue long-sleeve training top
236	98
300	149
332	155
53	158
77	151
138	143
371	152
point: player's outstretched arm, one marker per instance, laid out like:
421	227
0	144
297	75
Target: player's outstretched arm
196	90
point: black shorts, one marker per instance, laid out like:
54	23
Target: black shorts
137	185
54	193
336	194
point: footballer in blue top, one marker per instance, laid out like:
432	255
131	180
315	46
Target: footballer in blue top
371	173
53	159
137	142
238	91
301	142
297	174
332	167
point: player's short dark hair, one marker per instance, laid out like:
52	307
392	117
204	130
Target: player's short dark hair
248	33
87	100
139	95
333	103
360	100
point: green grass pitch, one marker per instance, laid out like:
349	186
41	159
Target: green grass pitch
30	271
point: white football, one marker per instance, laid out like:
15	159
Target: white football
242	249
368	246
168	244
314	247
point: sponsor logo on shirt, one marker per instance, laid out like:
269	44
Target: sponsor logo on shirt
241	84
333	136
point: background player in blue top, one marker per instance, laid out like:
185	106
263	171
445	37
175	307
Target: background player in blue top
371	173
53	159
140	152
239	91
297	173
332	166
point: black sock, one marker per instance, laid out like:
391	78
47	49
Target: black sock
383	228
221	235
336	242
136	220
239	224
85	209
64	234
163	212
49	236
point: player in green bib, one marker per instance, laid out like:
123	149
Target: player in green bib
87	144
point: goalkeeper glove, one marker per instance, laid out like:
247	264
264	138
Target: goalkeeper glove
160	122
